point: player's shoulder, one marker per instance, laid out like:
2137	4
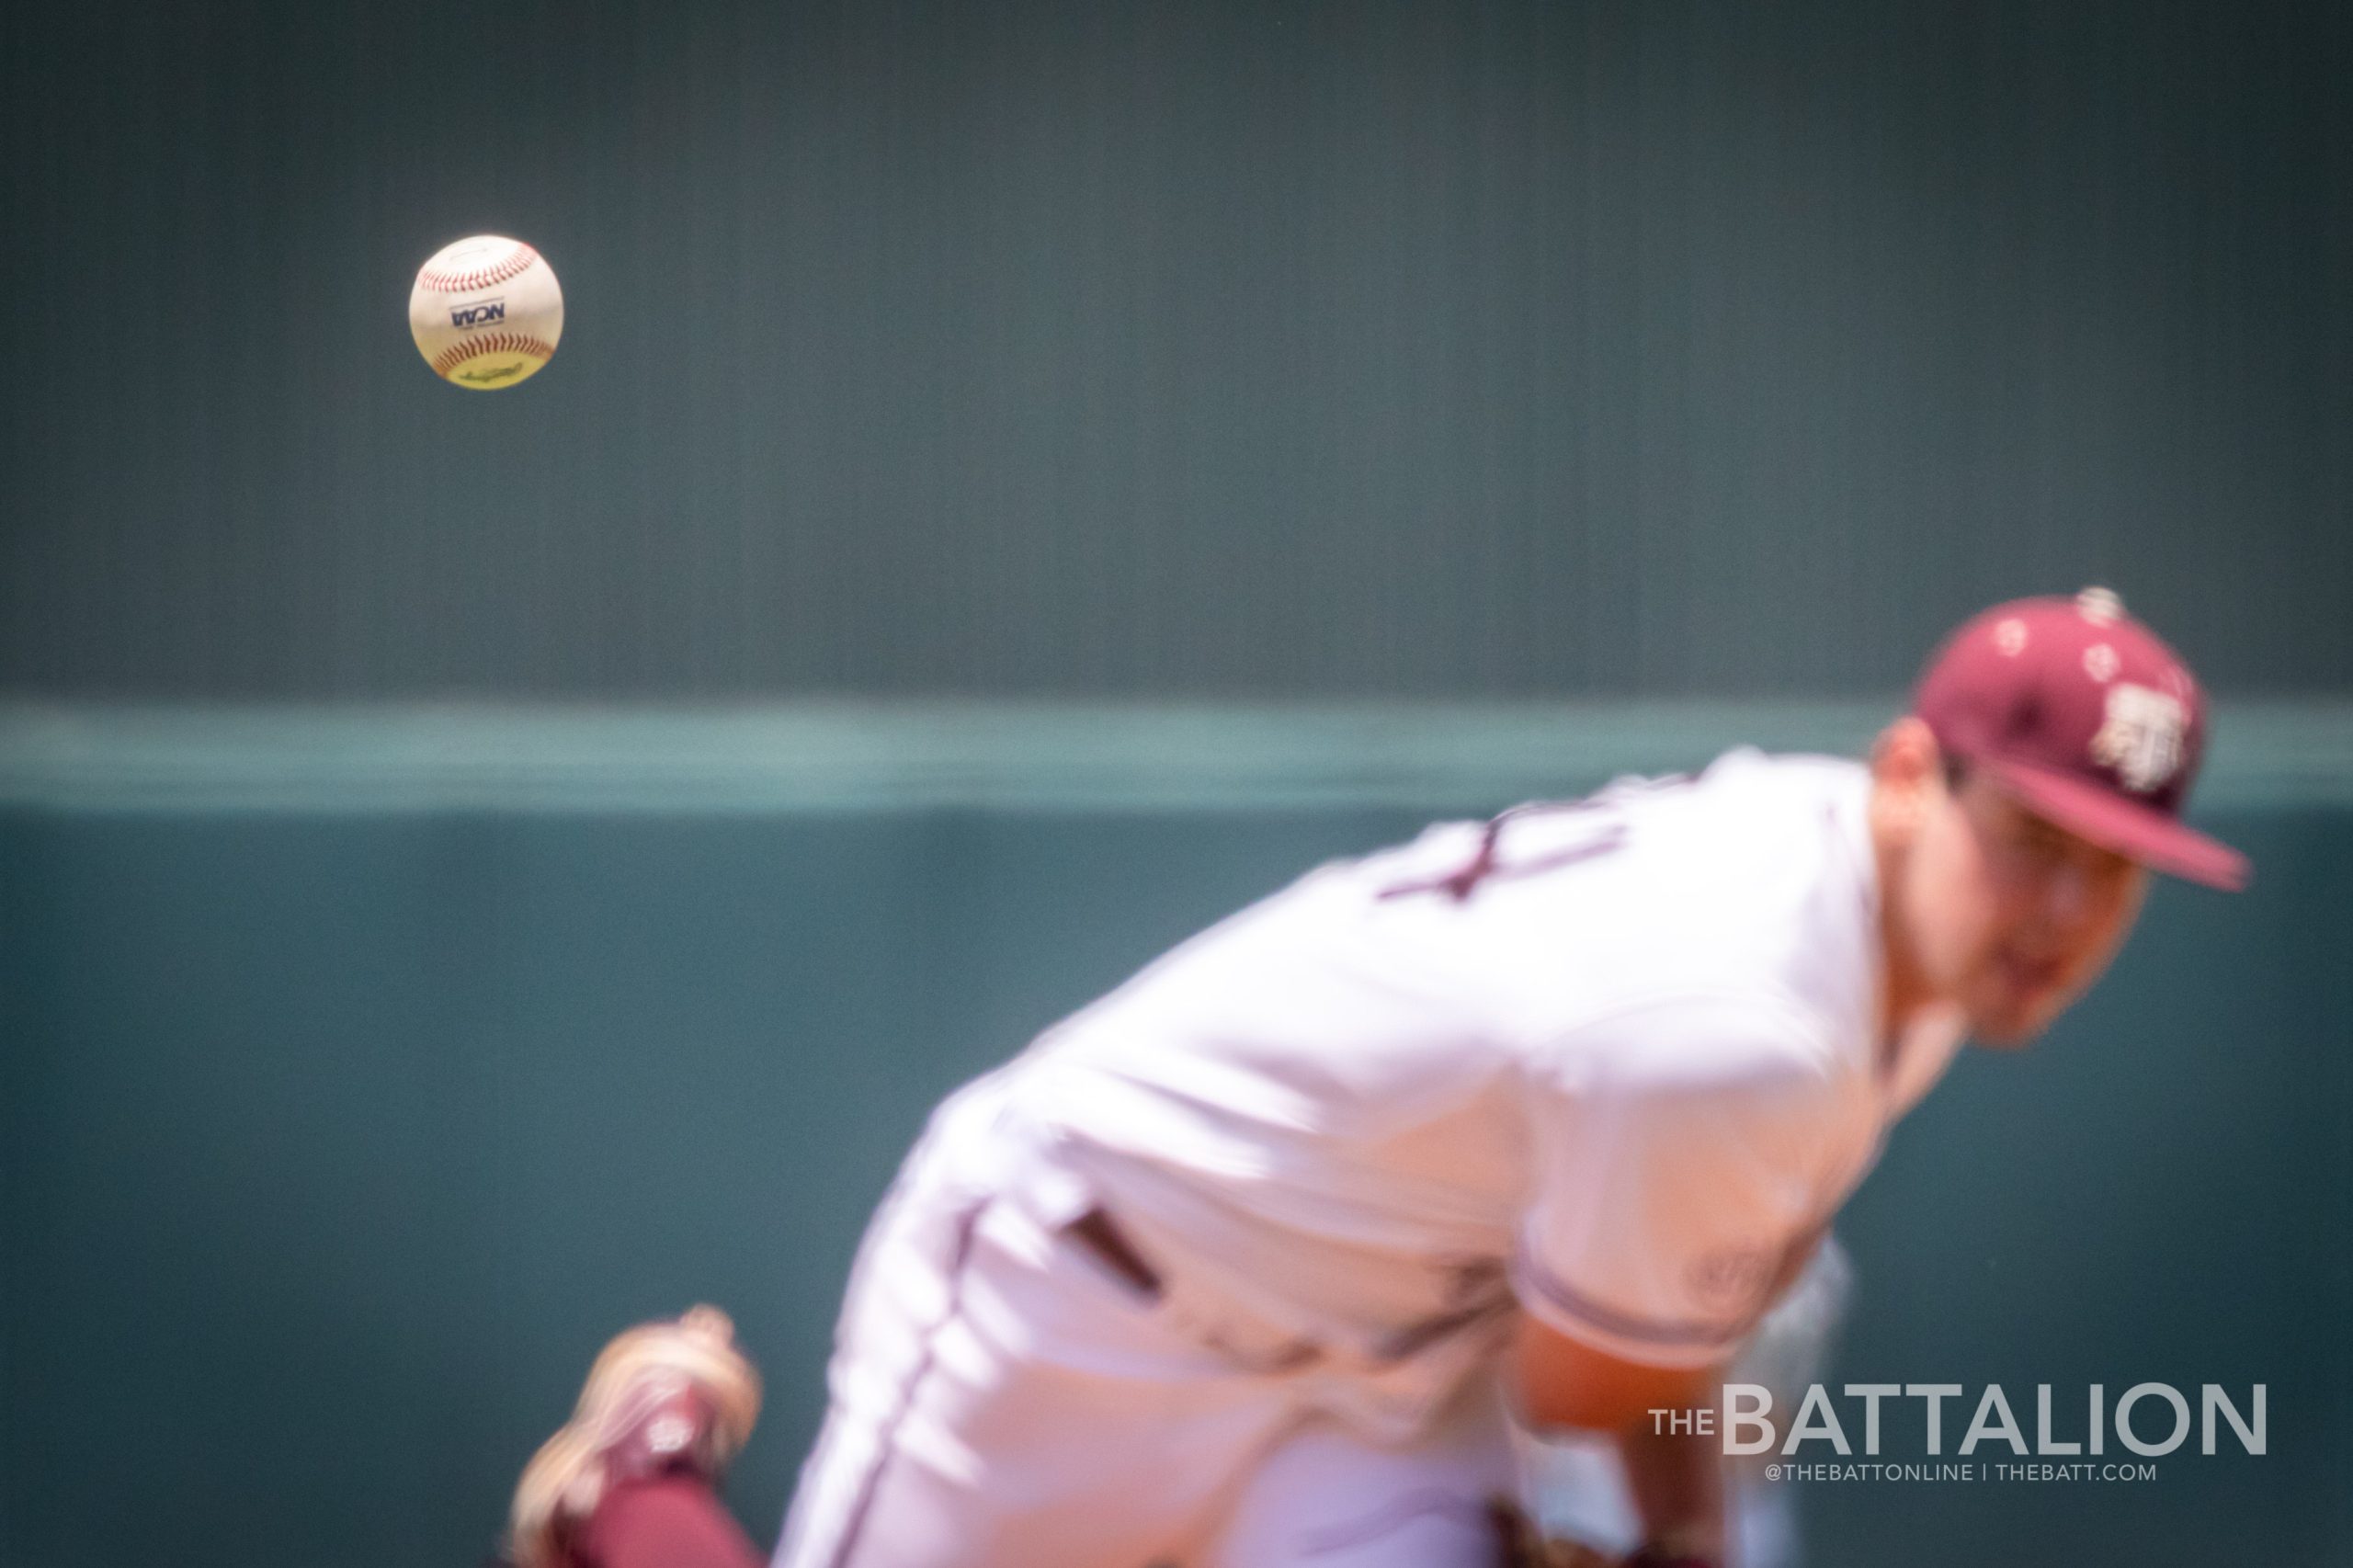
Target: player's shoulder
1748	821
1745	781
1751	877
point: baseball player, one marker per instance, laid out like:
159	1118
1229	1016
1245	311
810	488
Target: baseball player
1247	1264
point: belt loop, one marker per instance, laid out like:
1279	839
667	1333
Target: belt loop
1096	1231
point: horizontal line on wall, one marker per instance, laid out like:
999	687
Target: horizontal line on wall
893	756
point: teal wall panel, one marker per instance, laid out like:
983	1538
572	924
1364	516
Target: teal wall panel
335	1141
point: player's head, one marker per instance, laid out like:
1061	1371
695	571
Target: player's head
2020	806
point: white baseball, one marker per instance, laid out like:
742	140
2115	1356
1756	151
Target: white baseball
486	312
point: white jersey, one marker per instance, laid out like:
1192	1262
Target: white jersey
1618	1060
1615	1062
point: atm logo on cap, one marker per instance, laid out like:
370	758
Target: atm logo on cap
2142	736
479	313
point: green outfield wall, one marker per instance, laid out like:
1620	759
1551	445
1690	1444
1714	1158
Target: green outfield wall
1225	349
362	1072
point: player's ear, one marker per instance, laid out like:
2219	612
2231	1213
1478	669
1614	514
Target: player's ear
1906	775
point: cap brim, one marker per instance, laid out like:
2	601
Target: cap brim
2140	832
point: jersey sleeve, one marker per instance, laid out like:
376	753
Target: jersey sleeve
1676	1151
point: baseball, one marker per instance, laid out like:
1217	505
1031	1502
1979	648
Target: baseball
485	312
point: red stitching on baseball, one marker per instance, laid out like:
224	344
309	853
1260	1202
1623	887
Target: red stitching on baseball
457	354
480	276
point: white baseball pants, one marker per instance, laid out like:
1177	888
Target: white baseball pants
1000	1398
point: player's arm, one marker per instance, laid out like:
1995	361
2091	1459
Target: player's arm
1677	1483
1674	1176
1560	1382
1675	1478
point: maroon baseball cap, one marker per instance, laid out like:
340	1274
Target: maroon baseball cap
2087	720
